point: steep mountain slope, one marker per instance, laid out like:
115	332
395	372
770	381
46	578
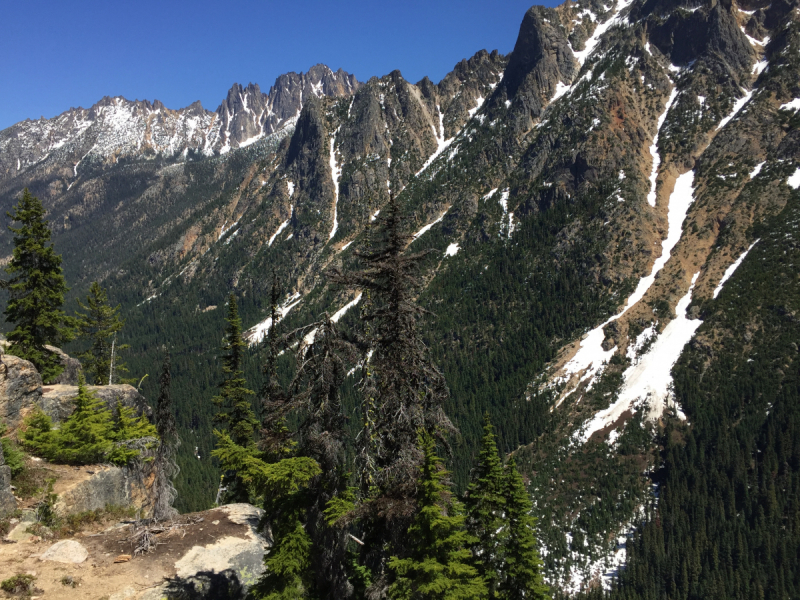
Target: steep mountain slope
588	195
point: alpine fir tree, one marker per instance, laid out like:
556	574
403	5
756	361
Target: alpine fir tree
485	502
437	561
36	290
99	326
234	402
522	572
90	434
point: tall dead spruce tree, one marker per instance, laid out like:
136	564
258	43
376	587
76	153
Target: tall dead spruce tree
311	401
403	392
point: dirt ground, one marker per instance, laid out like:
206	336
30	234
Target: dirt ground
98	576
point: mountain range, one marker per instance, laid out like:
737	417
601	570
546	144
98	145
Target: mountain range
613	207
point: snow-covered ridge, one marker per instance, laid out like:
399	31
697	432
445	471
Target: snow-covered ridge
116	127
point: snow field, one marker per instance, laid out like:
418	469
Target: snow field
650	380
336	174
590	357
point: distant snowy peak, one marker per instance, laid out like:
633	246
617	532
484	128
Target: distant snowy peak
116	127
247	114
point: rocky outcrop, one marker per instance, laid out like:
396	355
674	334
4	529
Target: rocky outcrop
541	59
20	389
215	555
72	367
104	486
66	551
226	568
57	400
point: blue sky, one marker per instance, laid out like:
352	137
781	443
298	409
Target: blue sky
60	54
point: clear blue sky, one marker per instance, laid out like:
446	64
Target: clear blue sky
57	54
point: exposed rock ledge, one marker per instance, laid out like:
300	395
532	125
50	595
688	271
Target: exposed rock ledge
218	554
21	389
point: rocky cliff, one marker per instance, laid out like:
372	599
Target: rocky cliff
589	197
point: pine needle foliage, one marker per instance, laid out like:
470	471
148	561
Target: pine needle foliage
522	572
91	434
485	503
98	326
311	402
163	492
404	392
36	290
281	486
437	562
234	401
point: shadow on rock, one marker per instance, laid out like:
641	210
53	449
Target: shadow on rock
209	585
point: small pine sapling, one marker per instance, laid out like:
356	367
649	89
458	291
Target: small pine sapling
485	503
522	572
437	561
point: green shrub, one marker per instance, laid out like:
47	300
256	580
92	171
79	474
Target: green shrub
90	435
12	456
18	584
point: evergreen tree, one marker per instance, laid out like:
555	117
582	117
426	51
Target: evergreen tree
234	404
90	434
402	390
437	558
485	503
163	493
277	402
85	436
125	427
99	326
522	572
311	400
36	290
280	486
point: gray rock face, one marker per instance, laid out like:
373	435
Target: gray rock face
66	551
225	569
541	59
8	503
72	367
247	113
20	389
57	400
107	486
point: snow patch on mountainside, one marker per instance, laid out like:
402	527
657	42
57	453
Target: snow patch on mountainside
590	358
281	227
730	270
336	174
650	380
794	179
594	40
452	249
736	108
258	332
427	227
651	197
